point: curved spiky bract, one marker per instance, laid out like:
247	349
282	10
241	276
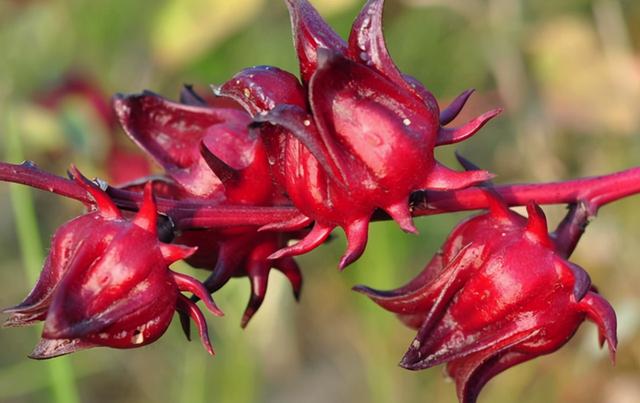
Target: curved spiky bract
496	296
103	202
189	308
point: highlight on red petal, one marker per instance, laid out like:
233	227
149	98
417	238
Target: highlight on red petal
310	33
260	89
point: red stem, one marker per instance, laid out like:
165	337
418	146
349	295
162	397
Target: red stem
593	192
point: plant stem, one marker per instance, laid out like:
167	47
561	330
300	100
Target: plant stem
61	376
594	191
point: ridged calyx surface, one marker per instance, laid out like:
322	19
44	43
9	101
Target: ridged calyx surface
355	135
107	282
497	294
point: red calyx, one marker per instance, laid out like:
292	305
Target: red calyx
107	282
209	153
497	295
357	136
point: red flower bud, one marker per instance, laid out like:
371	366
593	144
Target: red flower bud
107	282
359	136
498	294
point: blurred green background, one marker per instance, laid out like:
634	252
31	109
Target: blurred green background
566	72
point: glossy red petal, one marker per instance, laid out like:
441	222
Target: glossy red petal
171	134
260	89
361	114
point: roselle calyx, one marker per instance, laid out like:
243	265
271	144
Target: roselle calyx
355	135
499	293
107	282
209	153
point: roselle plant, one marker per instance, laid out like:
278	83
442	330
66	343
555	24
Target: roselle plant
247	186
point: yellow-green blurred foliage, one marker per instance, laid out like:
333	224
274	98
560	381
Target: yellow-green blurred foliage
566	72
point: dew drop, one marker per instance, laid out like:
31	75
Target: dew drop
406	122
138	337
306	122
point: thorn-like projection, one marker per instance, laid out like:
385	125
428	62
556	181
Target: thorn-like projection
497	207
452	279
229	259
385	298
401	214
173	252
291	270
456	135
454	108
189	96
319	233
190	308
444	178
357	233
470	167
537	224
258	272
223	171
474	371
600	312
466	163
146	218
187	283
296	223
104	204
